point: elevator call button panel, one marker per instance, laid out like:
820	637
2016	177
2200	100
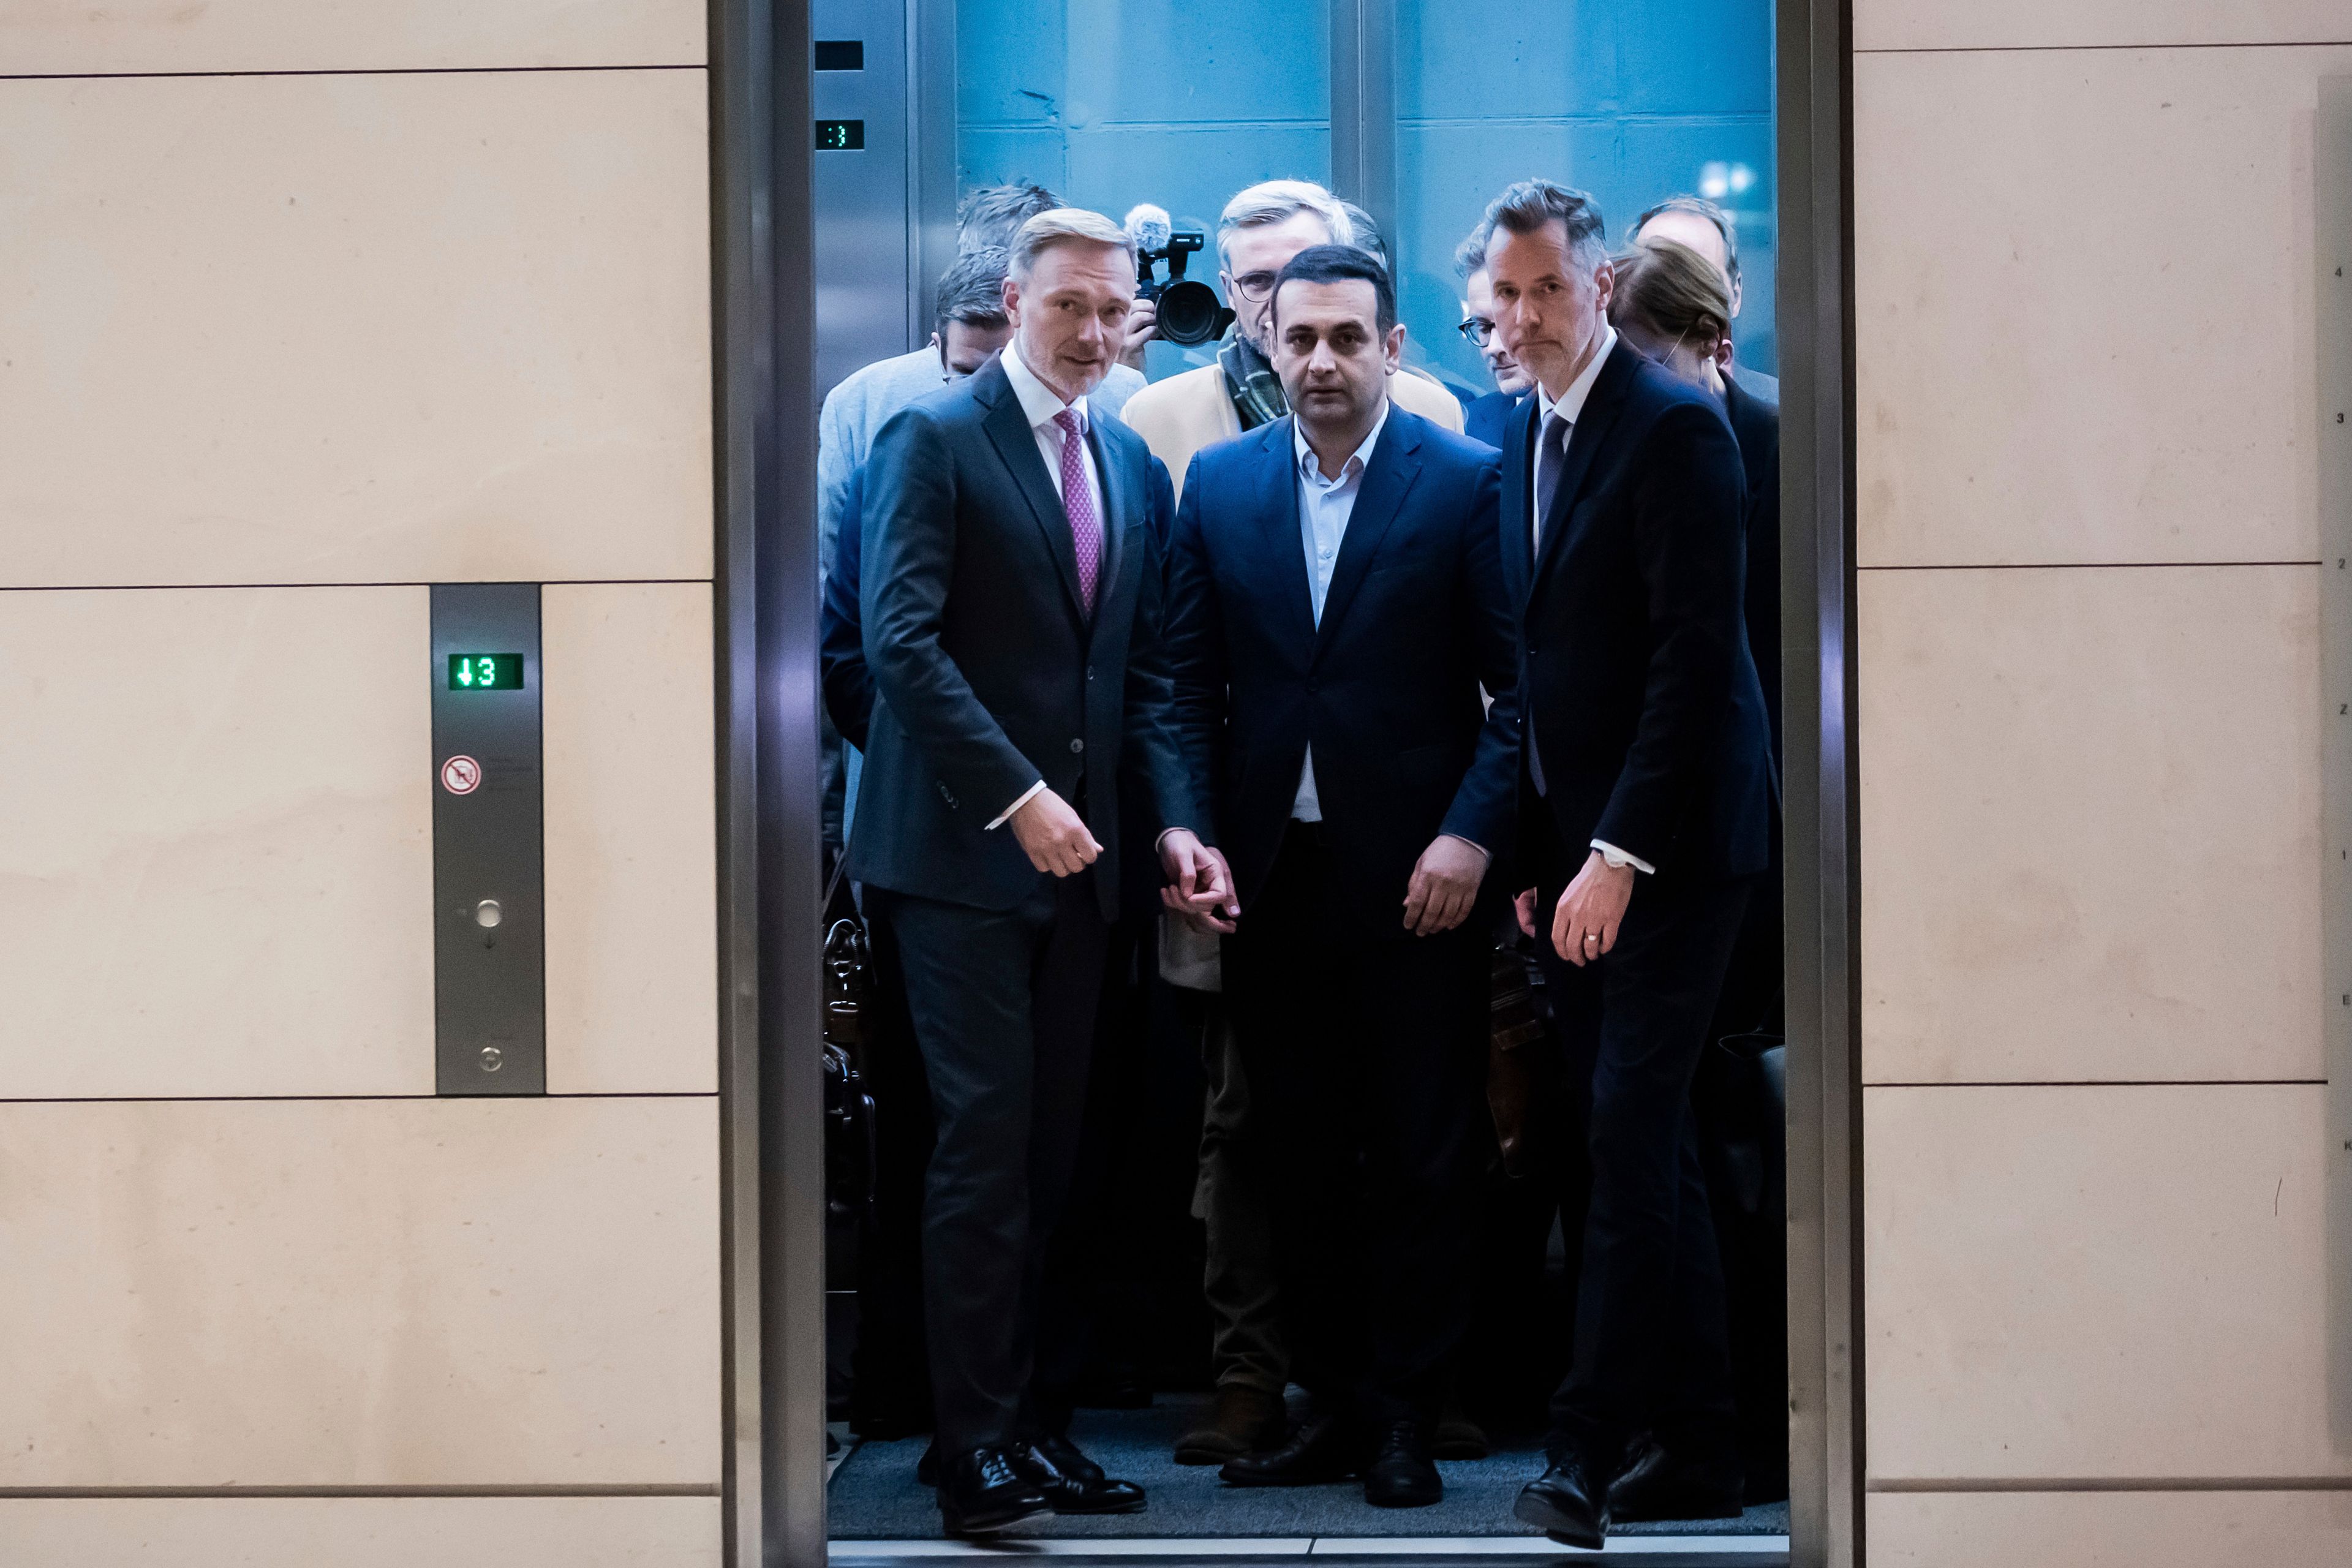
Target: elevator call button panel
490	940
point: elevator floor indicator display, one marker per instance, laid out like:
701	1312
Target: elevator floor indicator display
486	672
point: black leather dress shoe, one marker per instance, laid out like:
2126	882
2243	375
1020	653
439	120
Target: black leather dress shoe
1324	1448
1657	1484
1402	1475
1072	1482
982	1492
1566	1503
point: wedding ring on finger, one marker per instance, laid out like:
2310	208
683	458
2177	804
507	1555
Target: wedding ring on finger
1592	937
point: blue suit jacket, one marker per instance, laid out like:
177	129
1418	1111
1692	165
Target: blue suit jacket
1640	696
1386	688
1487	417
988	673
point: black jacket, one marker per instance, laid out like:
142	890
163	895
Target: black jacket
988	674
1756	426
1386	688
1638	691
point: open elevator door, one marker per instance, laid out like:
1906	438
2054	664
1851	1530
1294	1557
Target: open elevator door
1166	102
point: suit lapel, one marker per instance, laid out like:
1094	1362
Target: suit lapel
1394	464
1584	440
1281	535
1518	544
1016	443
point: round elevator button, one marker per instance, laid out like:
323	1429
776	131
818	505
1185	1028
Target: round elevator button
486	914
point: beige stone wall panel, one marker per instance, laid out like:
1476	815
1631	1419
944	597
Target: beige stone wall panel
2084	311
361	1532
421	328
216	872
2090	825
74	37
632	837
2111	1529
2057	24
2100	1282
411	1292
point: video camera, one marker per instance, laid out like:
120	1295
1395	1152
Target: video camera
1188	310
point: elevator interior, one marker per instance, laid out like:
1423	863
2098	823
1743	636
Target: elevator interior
1418	110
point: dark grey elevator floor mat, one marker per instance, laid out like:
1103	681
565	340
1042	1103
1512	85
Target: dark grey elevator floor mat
874	1496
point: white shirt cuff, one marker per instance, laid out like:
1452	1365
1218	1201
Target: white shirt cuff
1472	843
1617	860
1026	796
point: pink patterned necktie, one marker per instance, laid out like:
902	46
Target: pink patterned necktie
1086	527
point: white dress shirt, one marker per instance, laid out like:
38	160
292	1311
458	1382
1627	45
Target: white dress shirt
1569	406
1041	405
1324	507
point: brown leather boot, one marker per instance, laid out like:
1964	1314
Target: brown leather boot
1240	1420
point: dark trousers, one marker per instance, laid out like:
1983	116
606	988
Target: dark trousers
1651	1349
1238	1279
891	1386
1004	1007
1365	1051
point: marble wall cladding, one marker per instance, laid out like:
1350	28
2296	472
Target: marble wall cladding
385	1293
2054	363
2101	1282
2090	824
632	839
363	1533
2111	1529
2094	24
72	37
217	872
390	328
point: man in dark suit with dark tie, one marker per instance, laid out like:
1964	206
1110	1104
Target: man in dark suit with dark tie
1011	610
1646	795
1337	600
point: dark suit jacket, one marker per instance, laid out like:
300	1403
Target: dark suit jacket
1386	688
1756	426
1485	418
1639	693
988	674
840	638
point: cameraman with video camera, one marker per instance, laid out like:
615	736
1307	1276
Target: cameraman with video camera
1261	229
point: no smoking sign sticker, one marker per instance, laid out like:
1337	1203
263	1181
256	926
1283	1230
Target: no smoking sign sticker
461	776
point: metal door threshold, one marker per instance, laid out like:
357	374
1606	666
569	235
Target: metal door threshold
1481	1551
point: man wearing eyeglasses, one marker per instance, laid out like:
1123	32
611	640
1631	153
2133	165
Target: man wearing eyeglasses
1485	418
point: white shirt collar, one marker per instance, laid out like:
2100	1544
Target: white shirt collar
1359	460
1572	403
1039	403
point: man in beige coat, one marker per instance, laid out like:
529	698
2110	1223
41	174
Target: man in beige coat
1261	229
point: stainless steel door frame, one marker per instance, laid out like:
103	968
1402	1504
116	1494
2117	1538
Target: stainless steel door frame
1823	880
768	763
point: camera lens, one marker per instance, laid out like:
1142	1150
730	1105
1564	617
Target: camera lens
1189	311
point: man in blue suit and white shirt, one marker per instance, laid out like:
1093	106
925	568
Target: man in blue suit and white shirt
1011	612
1646	800
1336	602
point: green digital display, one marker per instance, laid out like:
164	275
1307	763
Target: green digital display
486	672
840	135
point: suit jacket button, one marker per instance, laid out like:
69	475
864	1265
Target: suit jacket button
1077	745
1090	672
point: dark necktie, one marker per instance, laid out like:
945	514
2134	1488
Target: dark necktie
1078	501
1551	456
